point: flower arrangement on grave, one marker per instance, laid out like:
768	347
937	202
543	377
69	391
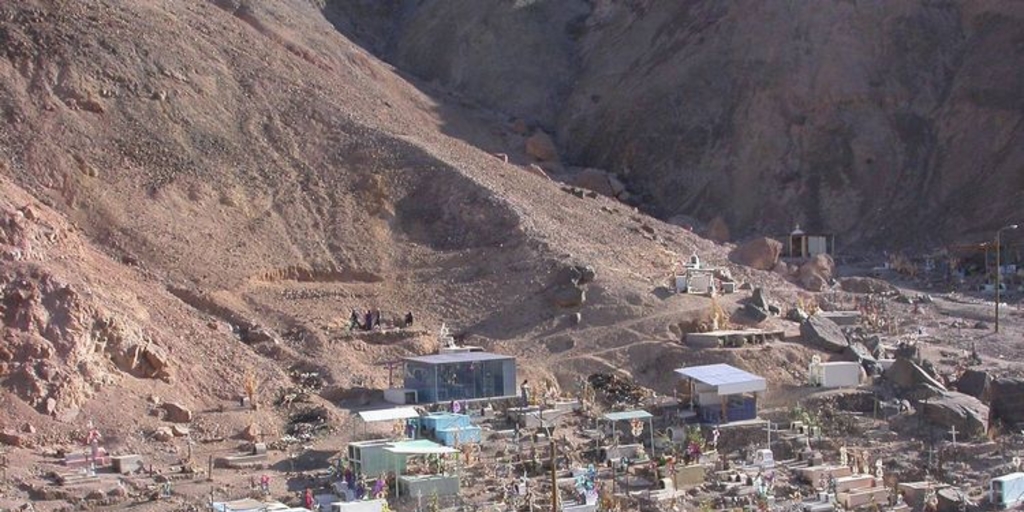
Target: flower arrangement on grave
380	489
694	446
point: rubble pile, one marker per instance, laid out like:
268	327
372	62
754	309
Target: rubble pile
616	390
307	424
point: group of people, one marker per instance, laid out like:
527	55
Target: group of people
372	320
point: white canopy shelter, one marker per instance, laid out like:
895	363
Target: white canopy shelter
727	380
396	413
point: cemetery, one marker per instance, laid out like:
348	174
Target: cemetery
870	429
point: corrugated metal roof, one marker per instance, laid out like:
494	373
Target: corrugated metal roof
395	413
458	357
419	447
728	379
639	414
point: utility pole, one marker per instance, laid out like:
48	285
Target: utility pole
998	270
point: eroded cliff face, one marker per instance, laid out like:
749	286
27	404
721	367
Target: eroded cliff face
873	120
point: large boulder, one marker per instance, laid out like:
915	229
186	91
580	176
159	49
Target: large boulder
177	413
570	296
815	274
759	307
865	285
905	374
858	352
964	412
824	334
974	383
1007	398
761	253
541	147
761	299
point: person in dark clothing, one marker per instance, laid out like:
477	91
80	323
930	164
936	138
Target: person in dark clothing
353	320
369	321
408	319
376	318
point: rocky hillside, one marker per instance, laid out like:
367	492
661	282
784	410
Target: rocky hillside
197	194
866	119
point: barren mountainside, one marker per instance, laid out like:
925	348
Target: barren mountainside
868	119
236	178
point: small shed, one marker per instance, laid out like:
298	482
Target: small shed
461	376
809	245
639	416
440	484
721	393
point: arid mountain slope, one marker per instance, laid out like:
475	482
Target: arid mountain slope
247	176
867	119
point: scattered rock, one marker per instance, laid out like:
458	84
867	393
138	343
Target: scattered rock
163	434
179	431
797	315
974	383
964	412
28	428
761	299
757	314
19	440
816	273
761	253
91	105
1007	398
570	296
823	333
905	374
177	413
540	146
865	285
251	433
858	352
981	325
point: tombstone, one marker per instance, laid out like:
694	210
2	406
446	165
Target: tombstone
259	448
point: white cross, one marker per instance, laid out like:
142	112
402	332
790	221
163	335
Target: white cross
953	432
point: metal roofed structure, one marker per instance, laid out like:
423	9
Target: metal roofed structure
419	447
458	357
395	413
721	393
638	414
460	376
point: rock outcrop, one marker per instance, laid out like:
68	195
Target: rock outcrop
761	253
956	410
1006	396
823	333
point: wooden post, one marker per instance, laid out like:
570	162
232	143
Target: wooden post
554	476
209	472
725	410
